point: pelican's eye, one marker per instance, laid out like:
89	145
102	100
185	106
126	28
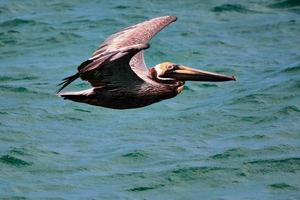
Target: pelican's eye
171	67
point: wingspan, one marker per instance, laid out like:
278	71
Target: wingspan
121	48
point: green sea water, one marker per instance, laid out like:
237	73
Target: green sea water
218	141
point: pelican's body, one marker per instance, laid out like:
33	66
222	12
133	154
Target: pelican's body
132	96
121	80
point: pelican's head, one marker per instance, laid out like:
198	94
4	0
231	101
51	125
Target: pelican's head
168	71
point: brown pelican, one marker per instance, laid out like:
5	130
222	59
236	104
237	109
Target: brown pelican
120	78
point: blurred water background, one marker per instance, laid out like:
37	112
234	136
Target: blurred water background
233	140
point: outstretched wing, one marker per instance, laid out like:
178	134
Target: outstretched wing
121	48
120	57
137	34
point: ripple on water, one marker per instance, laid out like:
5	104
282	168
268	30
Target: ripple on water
121	7
138	154
9	37
14	198
208	85
17	78
295	68
23	156
257	98
231	8
288	110
281	186
290	165
253	137
207	174
17	22
239	153
193	173
17	89
285	4
82	110
231	153
14	161
144	188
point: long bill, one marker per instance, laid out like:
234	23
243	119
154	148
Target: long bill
184	73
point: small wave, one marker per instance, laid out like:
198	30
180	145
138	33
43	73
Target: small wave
3	113
288	85
18	151
13	198
257	98
281	186
292	69
9	38
231	8
231	153
208	85
17	89
121	7
22	77
136	155
287	110
19	22
253	137
290	165
144	188
64	117
286	4
72	118
192	173
29	149
11	160
82	110
2	10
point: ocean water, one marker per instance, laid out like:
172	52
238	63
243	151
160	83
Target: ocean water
219	141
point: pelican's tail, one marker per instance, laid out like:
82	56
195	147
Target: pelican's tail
66	81
80	96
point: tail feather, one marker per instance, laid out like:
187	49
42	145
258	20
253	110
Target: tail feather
66	81
79	96
74	97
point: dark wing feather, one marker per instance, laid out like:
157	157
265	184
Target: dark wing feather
112	68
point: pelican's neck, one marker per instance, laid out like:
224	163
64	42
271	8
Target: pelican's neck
153	74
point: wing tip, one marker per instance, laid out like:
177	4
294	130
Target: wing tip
171	18
145	46
168	18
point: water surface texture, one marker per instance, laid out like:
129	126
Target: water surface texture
233	140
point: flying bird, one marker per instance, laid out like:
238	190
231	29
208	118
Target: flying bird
120	78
